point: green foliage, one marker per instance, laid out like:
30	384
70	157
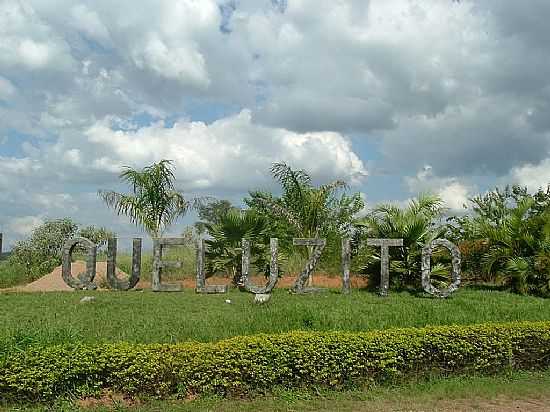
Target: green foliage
41	252
98	235
513	226
12	274
211	213
58	317
307	211
155	203
251	364
224	251
417	224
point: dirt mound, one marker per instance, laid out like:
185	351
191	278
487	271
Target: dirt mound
53	281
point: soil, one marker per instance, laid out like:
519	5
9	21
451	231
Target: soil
53	282
498	404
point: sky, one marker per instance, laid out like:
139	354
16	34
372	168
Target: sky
396	97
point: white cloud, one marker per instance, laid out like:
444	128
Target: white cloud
532	176
453	193
7	89
229	156
88	22
461	86
24	225
184	64
231	153
27	41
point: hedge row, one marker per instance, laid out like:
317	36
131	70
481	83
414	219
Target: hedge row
257	363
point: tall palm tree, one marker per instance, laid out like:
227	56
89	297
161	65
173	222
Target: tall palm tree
304	210
155	203
309	211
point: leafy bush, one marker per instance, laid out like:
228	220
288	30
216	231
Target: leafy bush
98	235
224	249
41	252
250	364
512	226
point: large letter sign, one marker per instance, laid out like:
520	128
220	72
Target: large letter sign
384	261
83	280
201	286
112	280
426	268
273	268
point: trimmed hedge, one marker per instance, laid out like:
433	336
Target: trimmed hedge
257	363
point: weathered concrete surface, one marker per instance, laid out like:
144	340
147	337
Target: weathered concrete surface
426	268
112	279
346	259
273	268
318	246
200	283
85	279
384	244
158	264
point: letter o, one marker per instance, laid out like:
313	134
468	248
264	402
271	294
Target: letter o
426	268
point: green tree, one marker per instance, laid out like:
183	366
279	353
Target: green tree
224	251
417	224
211	212
41	251
154	202
306	211
514	226
98	235
309	211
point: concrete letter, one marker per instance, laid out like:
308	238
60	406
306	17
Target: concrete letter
83	280
201	286
426	268
273	268
384	261
114	282
159	264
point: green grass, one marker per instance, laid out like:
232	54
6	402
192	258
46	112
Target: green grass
460	393
144	316
11	274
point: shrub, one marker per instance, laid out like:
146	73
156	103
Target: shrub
250	364
98	235
41	252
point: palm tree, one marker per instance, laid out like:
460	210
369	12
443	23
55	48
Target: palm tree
309	211
304	210
224	251
415	224
519	247
155	203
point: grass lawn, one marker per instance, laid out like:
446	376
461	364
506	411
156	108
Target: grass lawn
144	316
518	391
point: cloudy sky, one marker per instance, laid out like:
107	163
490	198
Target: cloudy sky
394	96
